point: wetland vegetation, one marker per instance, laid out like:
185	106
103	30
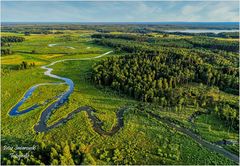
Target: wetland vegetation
156	97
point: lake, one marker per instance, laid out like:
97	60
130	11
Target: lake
216	31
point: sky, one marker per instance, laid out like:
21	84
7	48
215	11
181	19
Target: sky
106	11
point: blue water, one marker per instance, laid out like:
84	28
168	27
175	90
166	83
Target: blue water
14	111
61	99
216	31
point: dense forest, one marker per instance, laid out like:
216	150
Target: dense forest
152	73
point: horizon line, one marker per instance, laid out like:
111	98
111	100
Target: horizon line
113	22
118	21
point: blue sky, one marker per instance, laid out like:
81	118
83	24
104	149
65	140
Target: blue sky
78	11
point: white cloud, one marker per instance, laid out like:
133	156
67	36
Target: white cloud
211	11
121	11
225	12
191	9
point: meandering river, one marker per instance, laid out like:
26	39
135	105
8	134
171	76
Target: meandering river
41	126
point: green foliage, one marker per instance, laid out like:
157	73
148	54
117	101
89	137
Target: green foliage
6	51
219	129
195	42
155	64
11	39
47	154
88	159
149	77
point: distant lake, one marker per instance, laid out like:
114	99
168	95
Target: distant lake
203	30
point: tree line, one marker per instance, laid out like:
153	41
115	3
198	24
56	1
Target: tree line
26	65
234	35
194	42
11	39
6	51
5	42
63	153
216	57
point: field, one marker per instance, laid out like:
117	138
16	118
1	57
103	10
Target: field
142	140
